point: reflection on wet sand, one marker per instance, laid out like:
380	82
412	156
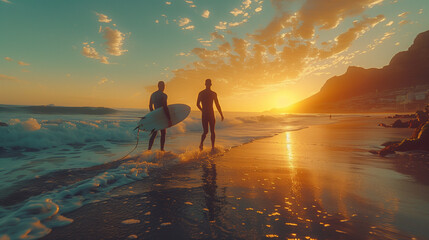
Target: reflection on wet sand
209	187
317	183
322	185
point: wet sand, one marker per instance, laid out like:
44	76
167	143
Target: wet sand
316	183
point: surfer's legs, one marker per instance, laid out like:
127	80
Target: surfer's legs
205	131
152	138
212	123
163	131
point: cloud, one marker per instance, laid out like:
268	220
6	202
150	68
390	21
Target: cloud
8	59
90	52
403	15
344	40
206	14
235	24
183	54
327	14
190	27
23	63
246	3
236	12
389	24
168	3
421	11
286	49
403	22
184	21
114	41
216	35
7	78
6	1
103	18
191	3
103	81
258	9
221	25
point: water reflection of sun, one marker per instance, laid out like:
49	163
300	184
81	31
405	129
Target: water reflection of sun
289	151
290	156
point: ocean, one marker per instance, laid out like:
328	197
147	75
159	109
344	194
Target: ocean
54	160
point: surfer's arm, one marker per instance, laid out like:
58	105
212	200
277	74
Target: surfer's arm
150	104
199	102
167	112
218	106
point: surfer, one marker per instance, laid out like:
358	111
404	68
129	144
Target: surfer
205	104
159	99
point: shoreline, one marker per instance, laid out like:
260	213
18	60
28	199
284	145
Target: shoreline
326	187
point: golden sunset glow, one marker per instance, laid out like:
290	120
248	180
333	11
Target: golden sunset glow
259	54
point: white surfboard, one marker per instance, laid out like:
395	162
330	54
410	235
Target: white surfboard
157	120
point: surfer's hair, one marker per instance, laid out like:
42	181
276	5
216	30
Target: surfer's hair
208	82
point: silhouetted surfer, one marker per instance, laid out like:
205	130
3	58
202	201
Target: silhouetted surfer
159	99
205	104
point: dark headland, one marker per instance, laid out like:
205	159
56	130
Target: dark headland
402	85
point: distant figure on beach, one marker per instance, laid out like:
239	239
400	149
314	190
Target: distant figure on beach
159	99
205	104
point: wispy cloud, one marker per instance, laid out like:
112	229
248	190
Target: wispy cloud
403	22
8	59
184	21
235	24
6	1
285	49
7	78
190	27
206	14
90	52
103	18
23	63
103	81
236	12
344	40
403	15
221	25
183	54
168	3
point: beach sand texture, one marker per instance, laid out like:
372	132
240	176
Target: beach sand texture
317	183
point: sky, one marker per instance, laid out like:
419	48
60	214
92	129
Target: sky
260	54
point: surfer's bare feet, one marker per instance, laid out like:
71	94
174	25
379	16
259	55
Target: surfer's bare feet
201	147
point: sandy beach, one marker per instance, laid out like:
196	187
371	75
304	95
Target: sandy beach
317	183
